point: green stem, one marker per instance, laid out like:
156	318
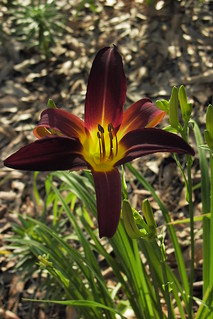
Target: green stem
211	236
188	183
189	165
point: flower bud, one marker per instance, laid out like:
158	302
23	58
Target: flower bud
129	222
149	216
186	108
163	105
173	108
51	104
43	261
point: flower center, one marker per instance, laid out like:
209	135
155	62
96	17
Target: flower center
101	148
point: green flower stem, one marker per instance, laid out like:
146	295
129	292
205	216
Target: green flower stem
211	235
188	184
191	215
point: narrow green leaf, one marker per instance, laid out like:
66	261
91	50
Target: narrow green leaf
187	220
78	303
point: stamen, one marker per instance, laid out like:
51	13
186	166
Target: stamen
109	127
99	142
103	153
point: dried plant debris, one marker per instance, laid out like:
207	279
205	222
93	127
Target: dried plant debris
164	44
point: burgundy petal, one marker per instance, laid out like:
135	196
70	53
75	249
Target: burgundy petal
139	115
48	154
108	197
106	91
61	121
150	140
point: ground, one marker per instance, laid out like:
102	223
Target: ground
162	45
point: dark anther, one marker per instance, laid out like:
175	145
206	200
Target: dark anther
109	127
100	128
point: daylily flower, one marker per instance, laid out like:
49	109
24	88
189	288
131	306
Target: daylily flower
105	139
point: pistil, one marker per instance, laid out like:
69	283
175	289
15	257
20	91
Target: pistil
113	133
116	141
111	155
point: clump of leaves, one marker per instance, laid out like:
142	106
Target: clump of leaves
39	24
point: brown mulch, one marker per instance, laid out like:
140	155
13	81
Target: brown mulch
163	45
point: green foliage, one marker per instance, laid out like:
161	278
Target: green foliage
37	24
52	247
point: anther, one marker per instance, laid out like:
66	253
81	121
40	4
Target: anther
100	128
109	127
